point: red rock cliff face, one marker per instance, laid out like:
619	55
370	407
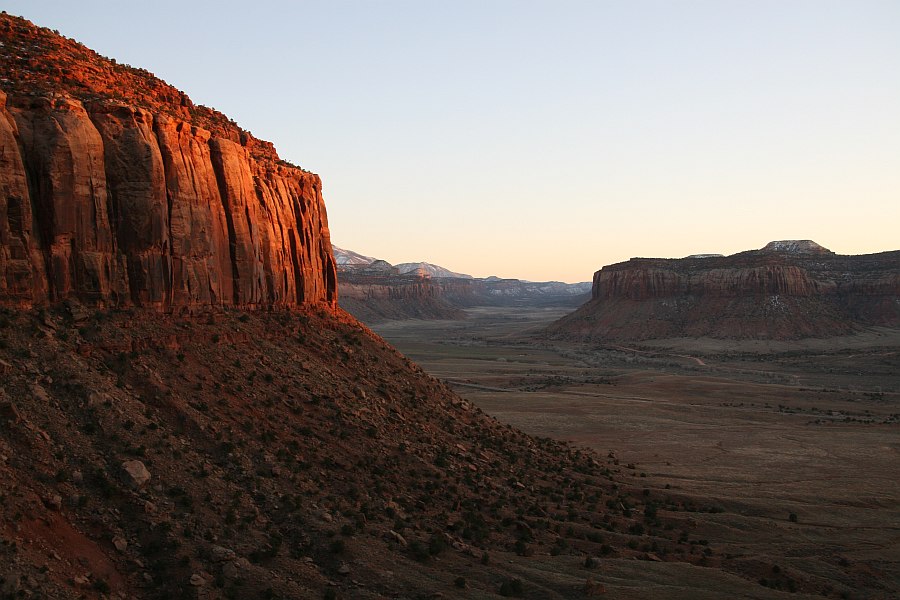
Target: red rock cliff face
116	204
780	292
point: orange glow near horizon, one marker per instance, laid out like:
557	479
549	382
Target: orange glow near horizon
542	140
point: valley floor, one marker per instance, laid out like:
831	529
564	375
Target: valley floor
789	451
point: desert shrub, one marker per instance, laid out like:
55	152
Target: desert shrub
436	544
419	551
512	588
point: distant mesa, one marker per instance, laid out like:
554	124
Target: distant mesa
796	247
787	290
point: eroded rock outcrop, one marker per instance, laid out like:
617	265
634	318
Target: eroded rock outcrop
379	292
790	289
161	205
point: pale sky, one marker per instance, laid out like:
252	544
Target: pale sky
543	140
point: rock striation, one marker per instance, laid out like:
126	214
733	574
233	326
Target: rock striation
787	290
378	291
143	200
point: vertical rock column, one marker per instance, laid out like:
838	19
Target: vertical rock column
64	159
300	230
202	271
242	212
137	194
22	267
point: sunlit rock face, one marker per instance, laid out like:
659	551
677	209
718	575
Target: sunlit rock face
116	190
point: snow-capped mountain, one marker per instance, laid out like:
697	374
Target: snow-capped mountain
349	257
428	269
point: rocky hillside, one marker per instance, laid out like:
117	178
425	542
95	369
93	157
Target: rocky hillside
116	190
786	290
286	455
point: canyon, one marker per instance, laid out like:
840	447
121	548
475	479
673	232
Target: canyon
187	412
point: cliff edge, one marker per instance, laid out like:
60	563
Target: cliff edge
116	190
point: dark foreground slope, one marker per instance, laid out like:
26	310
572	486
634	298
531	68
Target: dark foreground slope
286	454
787	290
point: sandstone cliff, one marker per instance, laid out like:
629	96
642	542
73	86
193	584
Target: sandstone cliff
116	190
787	290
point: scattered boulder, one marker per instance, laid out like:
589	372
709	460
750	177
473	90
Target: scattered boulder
53	502
9	413
235	568
135	473
221	554
397	537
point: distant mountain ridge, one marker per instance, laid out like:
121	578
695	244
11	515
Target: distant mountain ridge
352	259
787	290
374	290
431	270
348	257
